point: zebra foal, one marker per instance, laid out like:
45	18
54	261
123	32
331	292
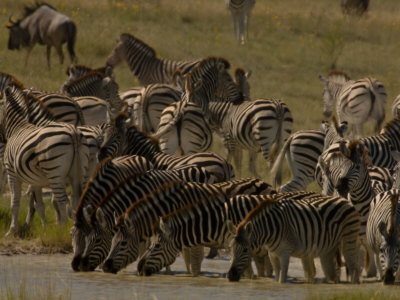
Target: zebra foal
300	224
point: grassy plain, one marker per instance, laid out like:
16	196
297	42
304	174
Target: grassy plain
291	43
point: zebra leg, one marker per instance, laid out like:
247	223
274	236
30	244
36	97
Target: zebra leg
15	187
370	266
196	258
60	202
328	265
276	265
186	253
284	266
378	265
252	163
259	261
267	266
351	251
35	204
309	268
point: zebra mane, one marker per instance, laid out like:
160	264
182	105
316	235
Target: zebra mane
28	10
130	41
269	199
163	188
338	76
9	80
393	202
99	168
32	100
89	79
389	125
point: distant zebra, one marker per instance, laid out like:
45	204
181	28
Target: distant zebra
102	218
383	234
96	84
356	102
260	125
143	62
133	225
108	175
75	71
240	11
122	140
40	156
302	150
300	224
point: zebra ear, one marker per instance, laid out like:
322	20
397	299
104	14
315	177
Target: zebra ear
164	227
101	218
324	126
322	79
248	228
343	128
87	212
382	229
343	148
116	217
231	227
248	74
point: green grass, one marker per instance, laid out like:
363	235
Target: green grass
291	43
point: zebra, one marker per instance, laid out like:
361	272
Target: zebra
96	84
133	225
75	71
120	139
183	125
396	107
40	156
391	131
108	174
199	223
147	106
260	125
302	150
240	11
143	62
346	171
186	134
300	224
116	201
382	233
356	101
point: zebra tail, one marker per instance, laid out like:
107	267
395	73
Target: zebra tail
279	134
276	170
176	118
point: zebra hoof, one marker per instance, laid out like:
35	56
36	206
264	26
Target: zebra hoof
11	232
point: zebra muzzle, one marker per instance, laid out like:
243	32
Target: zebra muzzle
108	267
233	274
75	264
388	277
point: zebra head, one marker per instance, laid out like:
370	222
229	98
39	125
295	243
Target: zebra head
389	241
118	54
98	242
328	97
241	250
345	169
114	138
124	247
78	233
162	251
389	250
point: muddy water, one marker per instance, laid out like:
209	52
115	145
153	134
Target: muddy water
52	272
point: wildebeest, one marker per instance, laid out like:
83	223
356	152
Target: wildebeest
43	24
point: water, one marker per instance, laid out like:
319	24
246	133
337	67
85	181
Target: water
41	273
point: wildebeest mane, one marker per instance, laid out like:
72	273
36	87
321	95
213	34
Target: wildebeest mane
28	10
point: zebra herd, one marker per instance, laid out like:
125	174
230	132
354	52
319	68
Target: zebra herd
146	187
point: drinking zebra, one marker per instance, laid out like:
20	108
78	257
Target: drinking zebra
300	224
101	218
123	140
356	101
134	225
107	176
240	11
